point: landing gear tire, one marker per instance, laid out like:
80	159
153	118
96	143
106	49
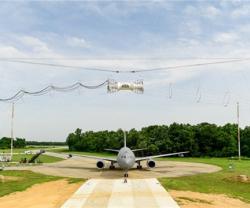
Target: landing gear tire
125	177
111	167
139	167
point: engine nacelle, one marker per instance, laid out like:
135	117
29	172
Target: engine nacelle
100	164
151	163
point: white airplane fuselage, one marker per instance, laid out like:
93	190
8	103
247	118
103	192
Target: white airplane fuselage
126	158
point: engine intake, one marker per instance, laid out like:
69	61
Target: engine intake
100	164
151	163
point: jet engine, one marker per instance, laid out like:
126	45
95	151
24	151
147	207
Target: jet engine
151	163
100	164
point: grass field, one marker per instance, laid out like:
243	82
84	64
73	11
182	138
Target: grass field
22	150
24	180
42	158
222	182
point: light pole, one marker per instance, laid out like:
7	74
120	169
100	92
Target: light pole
12	130
238	121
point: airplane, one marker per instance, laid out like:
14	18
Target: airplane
126	158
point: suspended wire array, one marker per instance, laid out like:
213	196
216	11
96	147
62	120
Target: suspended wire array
198	94
50	88
226	99
200	97
170	91
167	68
21	93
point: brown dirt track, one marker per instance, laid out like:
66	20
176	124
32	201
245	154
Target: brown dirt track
47	195
189	199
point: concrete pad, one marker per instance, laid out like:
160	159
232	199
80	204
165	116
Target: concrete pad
80	167
105	193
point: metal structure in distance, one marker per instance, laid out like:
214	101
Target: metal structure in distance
114	86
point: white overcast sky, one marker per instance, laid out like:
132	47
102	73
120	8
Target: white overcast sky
123	35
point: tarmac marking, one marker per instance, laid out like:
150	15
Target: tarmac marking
161	196
81	195
121	195
114	193
142	194
100	195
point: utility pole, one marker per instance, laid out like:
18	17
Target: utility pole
12	129
238	120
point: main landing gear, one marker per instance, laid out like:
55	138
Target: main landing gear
139	166
112	167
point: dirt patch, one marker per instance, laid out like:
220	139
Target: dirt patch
239	178
188	199
4	179
50	195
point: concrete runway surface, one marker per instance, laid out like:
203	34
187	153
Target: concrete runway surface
79	167
107	193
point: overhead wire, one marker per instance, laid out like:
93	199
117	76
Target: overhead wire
50	88
166	68
77	85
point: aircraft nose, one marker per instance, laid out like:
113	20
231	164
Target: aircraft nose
129	162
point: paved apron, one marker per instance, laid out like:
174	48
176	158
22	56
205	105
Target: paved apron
105	193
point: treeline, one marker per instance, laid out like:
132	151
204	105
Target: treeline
5	143
36	143
201	140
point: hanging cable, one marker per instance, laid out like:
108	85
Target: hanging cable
198	95
50	88
226	99
170	91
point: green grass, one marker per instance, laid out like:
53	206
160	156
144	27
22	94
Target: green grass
27	179
222	182
75	180
22	150
41	158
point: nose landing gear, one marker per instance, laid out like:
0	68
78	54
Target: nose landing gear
125	177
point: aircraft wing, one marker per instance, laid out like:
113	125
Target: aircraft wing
112	150
94	157
156	156
137	150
